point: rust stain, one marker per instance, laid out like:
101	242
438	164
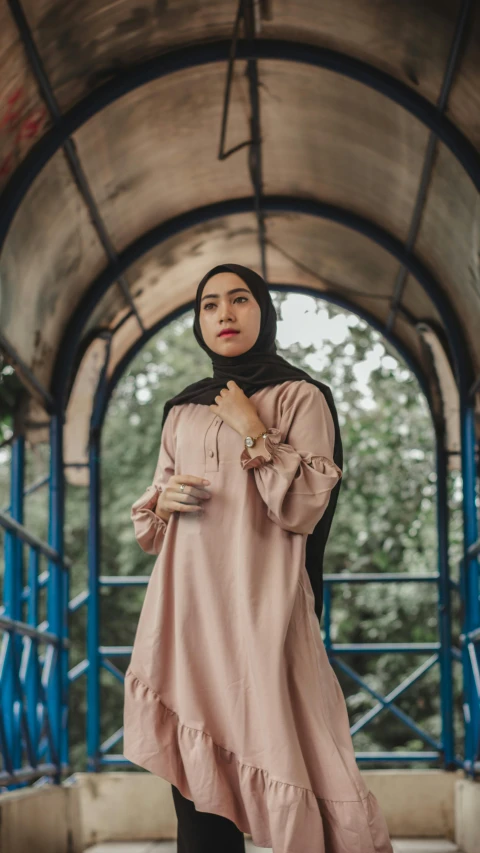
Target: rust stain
18	123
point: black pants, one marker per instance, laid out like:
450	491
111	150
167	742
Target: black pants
202	832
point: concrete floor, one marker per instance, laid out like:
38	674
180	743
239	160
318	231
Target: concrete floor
434	845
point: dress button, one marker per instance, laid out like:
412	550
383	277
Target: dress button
210	452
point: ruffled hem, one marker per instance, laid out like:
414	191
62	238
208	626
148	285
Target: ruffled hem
149	527
279	815
272	439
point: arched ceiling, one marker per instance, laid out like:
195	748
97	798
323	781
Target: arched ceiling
99	146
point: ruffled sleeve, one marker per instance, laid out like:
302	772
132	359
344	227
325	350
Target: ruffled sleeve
149	528
296	476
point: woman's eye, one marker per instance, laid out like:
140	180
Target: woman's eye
237	297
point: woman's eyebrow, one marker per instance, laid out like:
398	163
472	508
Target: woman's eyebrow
216	295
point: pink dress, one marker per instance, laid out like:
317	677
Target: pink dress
229	693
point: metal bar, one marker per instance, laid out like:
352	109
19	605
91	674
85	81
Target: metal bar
469	570
78	601
379	577
14	626
111	741
444	608
401	715
381	648
26	774
222	154
32	675
78	670
255	150
93	626
69	148
114	580
115	651
474	549
25	372
30	490
394	694
12	644
94	563
473	636
475	669
114	759
195	56
30	539
57	684
475	388
114	670
452	62
397	756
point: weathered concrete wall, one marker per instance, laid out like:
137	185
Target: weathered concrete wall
123	806
40	820
467	815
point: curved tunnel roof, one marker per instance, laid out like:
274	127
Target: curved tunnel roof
115	202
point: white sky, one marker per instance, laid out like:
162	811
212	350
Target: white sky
304	325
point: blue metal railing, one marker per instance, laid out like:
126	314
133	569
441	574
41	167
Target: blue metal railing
31	654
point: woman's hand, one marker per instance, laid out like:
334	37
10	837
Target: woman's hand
236	409
172	499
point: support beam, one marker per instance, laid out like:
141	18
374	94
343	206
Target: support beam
26	375
69	148
197	55
452	63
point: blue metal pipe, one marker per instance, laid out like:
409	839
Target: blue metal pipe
93	623
469	577
387	703
444	608
57	613
32	675
12	643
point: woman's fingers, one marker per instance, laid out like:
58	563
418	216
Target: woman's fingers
188	499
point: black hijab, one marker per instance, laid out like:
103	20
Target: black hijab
258	367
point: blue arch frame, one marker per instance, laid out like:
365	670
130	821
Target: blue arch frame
98	657
458	352
271	204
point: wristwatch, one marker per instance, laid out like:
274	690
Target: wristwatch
250	441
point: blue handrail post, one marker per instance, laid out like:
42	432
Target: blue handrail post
32	673
12	643
444	608
470	585
93	628
56	664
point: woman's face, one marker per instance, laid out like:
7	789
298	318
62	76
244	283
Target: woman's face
228	303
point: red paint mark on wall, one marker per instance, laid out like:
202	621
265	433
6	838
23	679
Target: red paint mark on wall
14	107
6	165
18	124
32	124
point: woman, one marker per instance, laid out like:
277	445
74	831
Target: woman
229	694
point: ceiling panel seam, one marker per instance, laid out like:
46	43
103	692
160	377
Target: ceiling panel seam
196	55
68	145
464	17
